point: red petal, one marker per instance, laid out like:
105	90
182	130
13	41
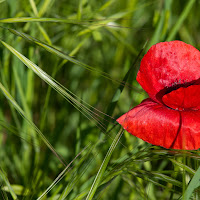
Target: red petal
190	132
162	126
167	64
183	98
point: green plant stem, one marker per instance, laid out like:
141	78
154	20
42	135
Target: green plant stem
103	166
180	20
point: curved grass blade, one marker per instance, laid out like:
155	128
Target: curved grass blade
183	166
22	113
163	177
194	183
98	22
91	23
44	114
57	52
103	166
64	92
149	179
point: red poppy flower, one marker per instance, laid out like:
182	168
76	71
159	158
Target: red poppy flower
170	117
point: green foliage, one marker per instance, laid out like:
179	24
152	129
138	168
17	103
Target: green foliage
67	71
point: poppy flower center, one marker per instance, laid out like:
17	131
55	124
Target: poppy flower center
183	98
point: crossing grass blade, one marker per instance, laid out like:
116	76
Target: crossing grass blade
103	166
185	167
64	92
62	175
7	183
62	55
22	113
194	183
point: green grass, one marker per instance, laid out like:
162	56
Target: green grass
67	71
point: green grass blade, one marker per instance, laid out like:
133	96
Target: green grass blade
42	30
180	20
168	179
18	108
95	24
44	8
103	166
21	92
38	19
44	33
123	41
57	52
162	25
78	172
61	175
156	37
6	181
78	103
183	166
44	114
194	183
119	90
34	8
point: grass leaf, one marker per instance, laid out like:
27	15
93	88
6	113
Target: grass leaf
194	183
103	166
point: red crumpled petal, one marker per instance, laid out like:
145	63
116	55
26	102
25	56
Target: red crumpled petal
167	64
183	98
162	126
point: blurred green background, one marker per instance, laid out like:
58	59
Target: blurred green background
91	52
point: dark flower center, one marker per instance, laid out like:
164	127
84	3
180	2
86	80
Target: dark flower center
183	98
